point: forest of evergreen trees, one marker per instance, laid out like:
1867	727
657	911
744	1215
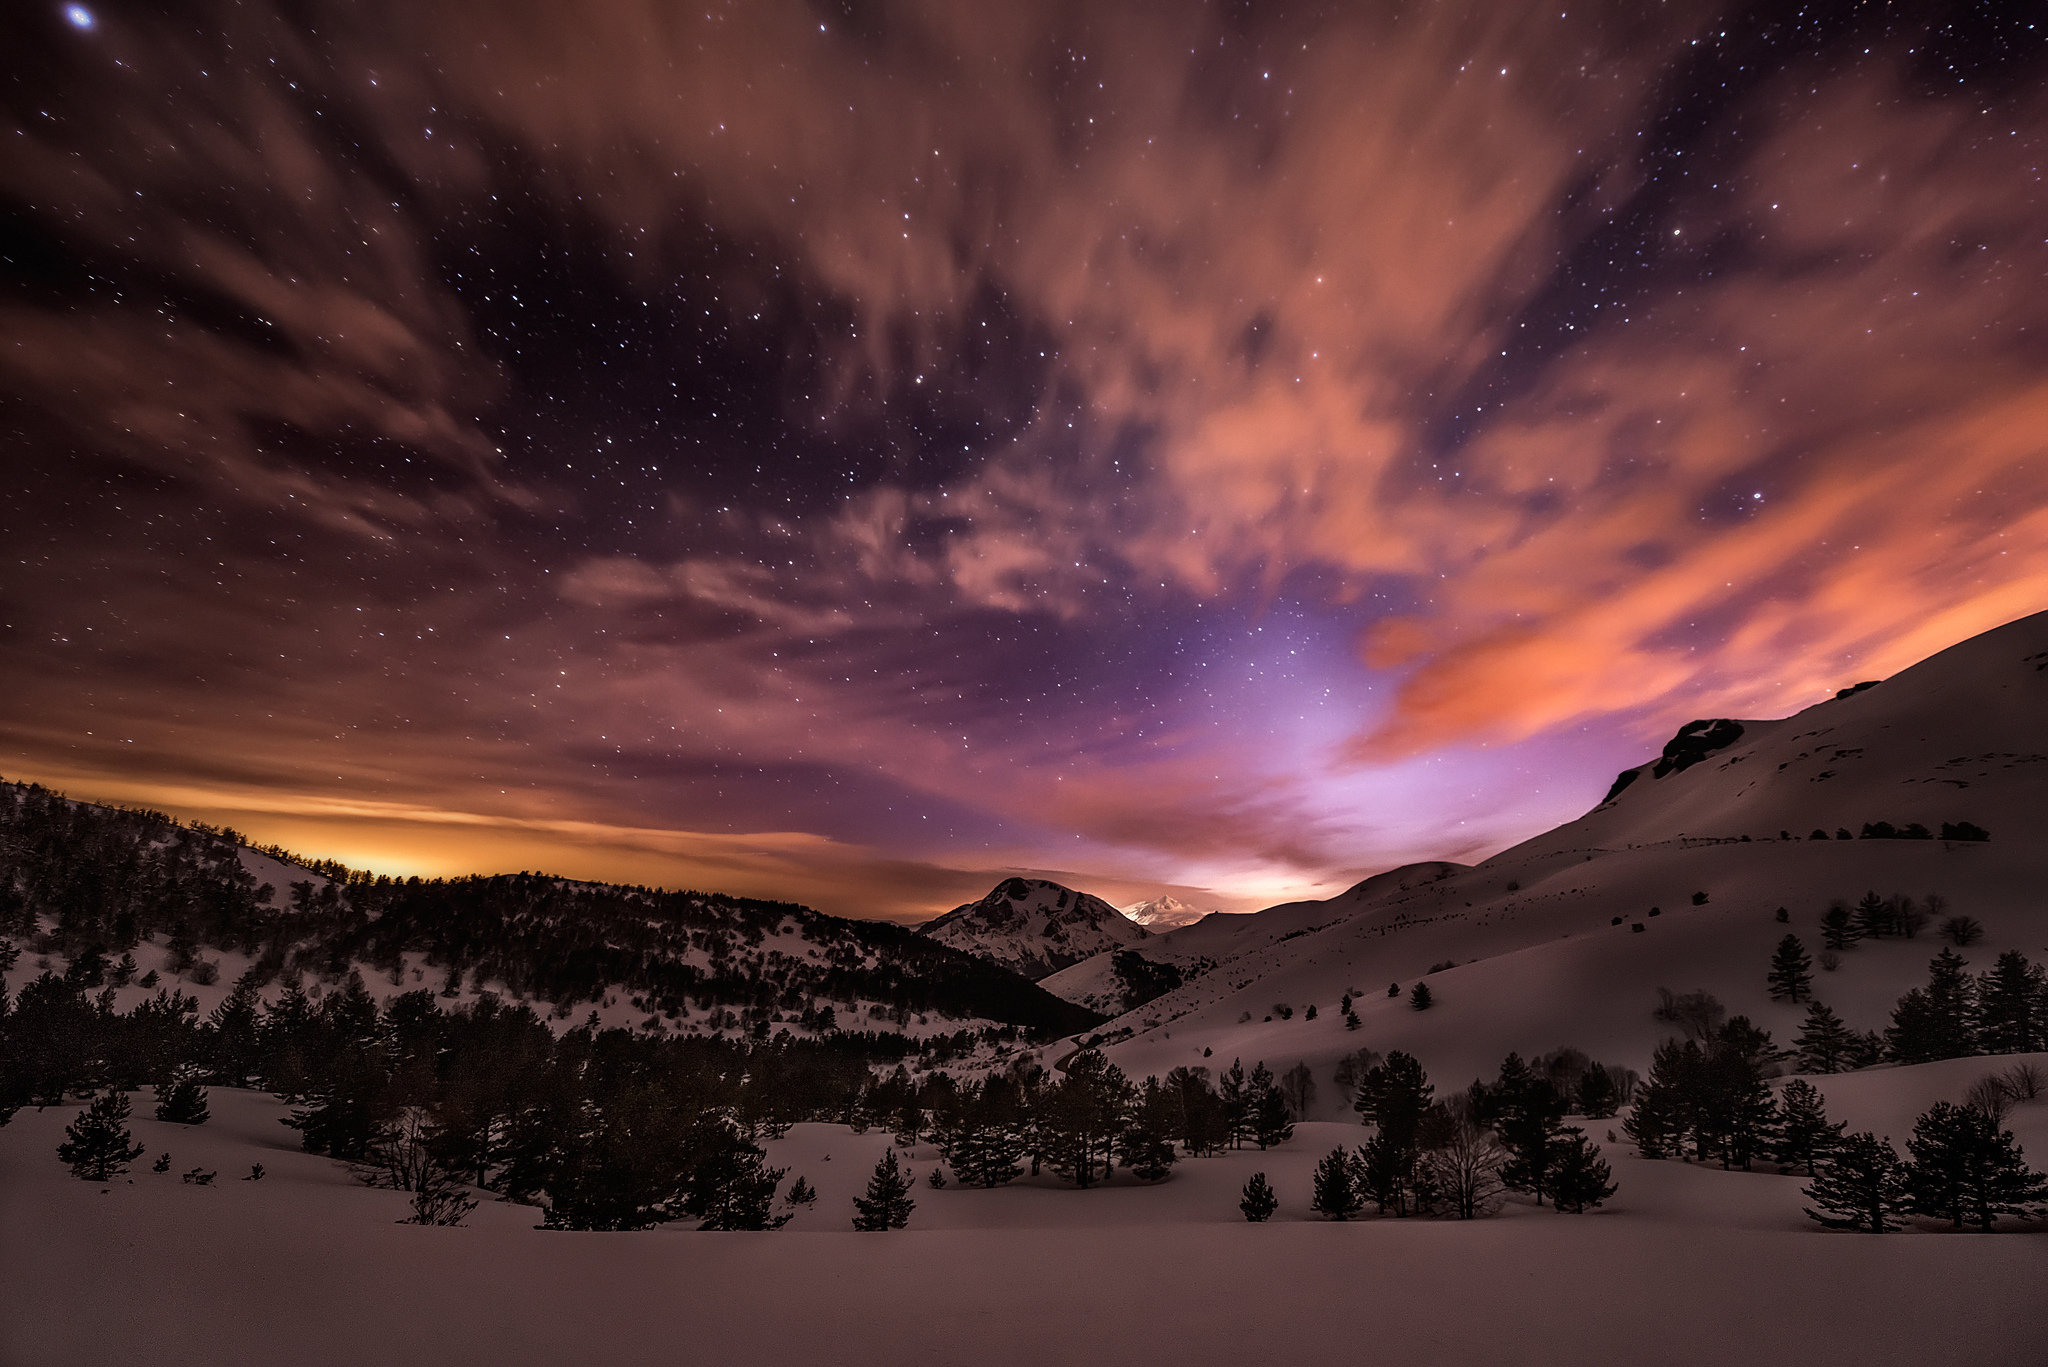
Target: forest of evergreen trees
91	882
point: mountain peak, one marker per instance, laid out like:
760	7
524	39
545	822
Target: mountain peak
1035	927
1164	912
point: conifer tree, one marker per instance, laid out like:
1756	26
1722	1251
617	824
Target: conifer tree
1080	1118
1421	998
1530	1119
1965	1169
1938	1021
1258	1201
1579	1178
2012	1006
97	1145
181	1101
1146	1145
1272	1118
1791	975
1858	1186
1662	1116
1873	917
1825	1044
1336	1194
1837	928
1804	1136
987	1139
1238	1100
1598	1097
801	1193
887	1204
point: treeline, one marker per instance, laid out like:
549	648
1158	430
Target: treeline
91	883
603	1129
2003	1010
1709	1098
1458	1157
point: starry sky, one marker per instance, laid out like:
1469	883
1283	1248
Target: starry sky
853	451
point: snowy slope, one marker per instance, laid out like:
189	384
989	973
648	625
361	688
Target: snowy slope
1034	927
1534	959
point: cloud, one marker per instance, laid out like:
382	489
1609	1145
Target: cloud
1073	344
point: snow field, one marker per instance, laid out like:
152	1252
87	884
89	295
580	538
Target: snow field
1686	1266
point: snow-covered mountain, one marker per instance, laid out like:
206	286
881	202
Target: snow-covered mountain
1034	927
1164	912
1675	879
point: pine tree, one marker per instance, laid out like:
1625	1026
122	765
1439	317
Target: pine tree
1421	998
1598	1096
1336	1194
1805	1136
801	1193
1272	1118
1837	928
1873	917
181	1101
1579	1178
1858	1186
1938	1021
1080	1118
887	1204
1966	1169
1664	1110
1258	1201
1531	1116
2012	1006
97	1145
1791	975
1237	1102
986	1140
1146	1145
1825	1044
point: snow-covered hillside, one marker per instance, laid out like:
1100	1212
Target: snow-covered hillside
1034	927
1676	880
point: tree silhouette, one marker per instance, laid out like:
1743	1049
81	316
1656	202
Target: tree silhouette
1859	1186
887	1204
1791	975
1258	1201
97	1145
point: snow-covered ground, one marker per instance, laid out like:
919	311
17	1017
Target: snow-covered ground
1523	951
1686	1265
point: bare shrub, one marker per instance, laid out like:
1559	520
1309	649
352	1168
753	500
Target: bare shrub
2024	1081
1988	1094
408	1158
1698	1014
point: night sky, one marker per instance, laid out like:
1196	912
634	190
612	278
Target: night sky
849	452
